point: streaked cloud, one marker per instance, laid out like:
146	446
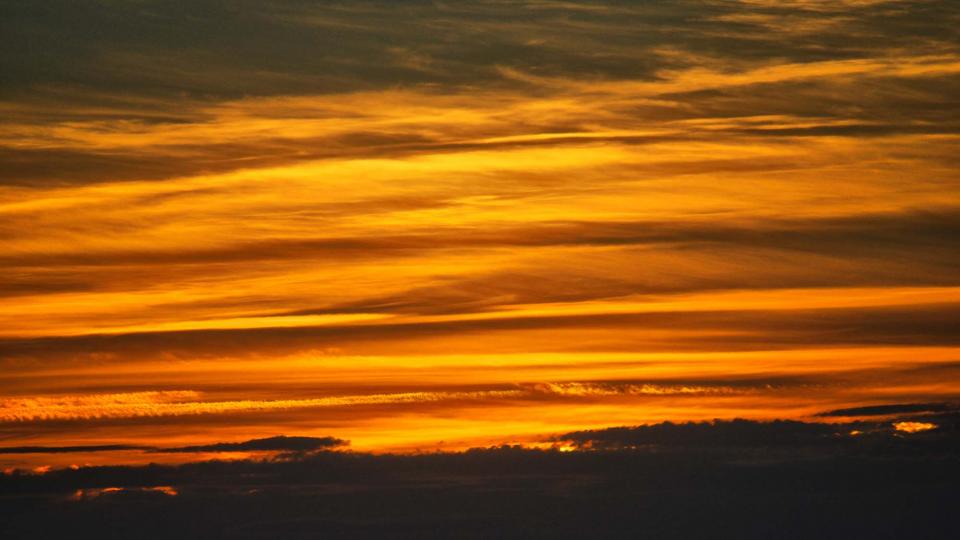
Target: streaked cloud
174	404
442	225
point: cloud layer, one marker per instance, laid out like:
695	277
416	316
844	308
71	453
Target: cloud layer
748	479
436	225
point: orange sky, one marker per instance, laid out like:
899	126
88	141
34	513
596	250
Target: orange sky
476	229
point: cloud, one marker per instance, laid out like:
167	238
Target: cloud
595	213
568	69
869	437
95	407
704	435
606	493
603	389
278	443
188	402
68	449
893	409
925	323
852	477
933	228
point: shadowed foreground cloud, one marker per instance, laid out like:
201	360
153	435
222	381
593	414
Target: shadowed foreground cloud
861	479
279	443
900	408
736	435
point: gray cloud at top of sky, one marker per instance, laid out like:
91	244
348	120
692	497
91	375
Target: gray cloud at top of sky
219	50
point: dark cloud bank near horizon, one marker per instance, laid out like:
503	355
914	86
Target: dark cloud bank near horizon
115	67
721	479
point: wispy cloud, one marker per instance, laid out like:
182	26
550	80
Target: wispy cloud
178	403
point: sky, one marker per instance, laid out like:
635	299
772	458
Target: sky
400	227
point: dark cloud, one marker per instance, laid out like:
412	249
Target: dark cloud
278	443
68	449
209	48
870	437
30	283
757	329
898	408
161	62
683	490
929	234
716	434
261	47
750	441
55	165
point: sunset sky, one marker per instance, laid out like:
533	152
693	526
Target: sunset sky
421	226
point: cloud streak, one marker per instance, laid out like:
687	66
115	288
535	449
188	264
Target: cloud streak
151	404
